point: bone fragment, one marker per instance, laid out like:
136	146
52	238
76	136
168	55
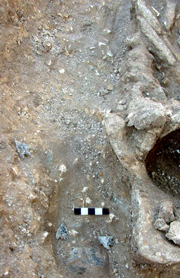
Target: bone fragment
144	11
161	49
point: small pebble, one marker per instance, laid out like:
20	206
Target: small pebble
110	87
62	71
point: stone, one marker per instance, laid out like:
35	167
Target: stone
161	225
145	114
166	212
88	262
170	14
115	126
111	217
62	232
106	241
174	232
148	244
47	45
116	130
159	46
144	11
104	92
23	149
110	87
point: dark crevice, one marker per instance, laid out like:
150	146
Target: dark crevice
163	163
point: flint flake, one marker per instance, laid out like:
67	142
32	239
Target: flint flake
62	232
23	149
106	241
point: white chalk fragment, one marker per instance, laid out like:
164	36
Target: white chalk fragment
62	71
73	232
85	189
88	201
111	217
62	168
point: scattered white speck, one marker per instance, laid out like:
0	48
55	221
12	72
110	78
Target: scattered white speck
62	168
45	234
62	71
102	181
23	230
85	189
88	200
109	53
97	73
108	31
101	43
75	160
73	232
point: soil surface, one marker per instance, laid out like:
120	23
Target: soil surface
59	76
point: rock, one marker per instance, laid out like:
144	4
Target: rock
148	141
115	126
170	15
106	241
110	87
159	46
145	114
148	245
23	149
88	262
121	107
62	232
144	11
116	130
111	217
174	232
104	92
161	225
47	45
166	212
159	94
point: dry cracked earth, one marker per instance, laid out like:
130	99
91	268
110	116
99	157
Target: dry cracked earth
89	117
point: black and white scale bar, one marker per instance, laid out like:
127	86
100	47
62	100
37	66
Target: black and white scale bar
91	211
